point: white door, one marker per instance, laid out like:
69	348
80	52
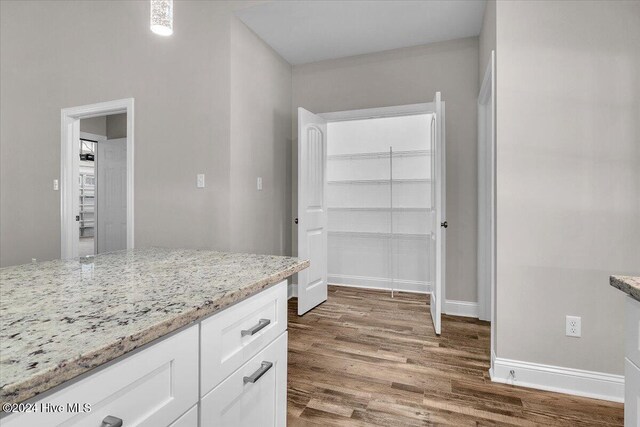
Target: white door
438	147
111	189
312	212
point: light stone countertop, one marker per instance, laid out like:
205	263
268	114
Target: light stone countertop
627	284
59	319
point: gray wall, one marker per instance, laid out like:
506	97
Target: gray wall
112	126
260	145
487	39
182	90
94	125
407	76
116	126
568	178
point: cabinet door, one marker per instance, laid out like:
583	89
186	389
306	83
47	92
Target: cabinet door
244	400
235	335
190	419
631	394
150	388
632	330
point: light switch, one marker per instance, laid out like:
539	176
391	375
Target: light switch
259	183
200	180
56	185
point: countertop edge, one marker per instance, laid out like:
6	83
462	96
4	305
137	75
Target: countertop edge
624	283
70	369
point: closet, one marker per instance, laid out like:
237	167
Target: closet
380	202
372	202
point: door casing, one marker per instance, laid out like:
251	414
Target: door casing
70	167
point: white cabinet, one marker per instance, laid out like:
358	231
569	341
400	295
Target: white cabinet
254	395
158	385
148	388
631	394
235	335
190	419
632	364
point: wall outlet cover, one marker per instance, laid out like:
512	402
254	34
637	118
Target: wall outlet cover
200	180
573	326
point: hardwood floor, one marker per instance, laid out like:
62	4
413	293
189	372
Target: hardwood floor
363	358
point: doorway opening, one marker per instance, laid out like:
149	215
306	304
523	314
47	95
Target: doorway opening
97	178
102	180
371	201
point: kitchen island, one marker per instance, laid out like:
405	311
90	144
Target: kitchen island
199	315
631	286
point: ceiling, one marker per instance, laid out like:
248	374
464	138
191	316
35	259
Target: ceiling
305	31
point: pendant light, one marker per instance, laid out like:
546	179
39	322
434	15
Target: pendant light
162	17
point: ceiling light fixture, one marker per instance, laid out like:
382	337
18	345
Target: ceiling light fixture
162	17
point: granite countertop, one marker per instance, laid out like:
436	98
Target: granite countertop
59	319
627	284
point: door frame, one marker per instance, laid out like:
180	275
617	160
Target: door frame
487	191
381	112
70	168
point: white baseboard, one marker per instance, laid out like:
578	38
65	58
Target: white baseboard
597	385
461	308
414	286
292	290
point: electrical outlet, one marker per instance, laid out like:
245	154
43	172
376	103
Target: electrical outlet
259	183
200	180
574	326
56	185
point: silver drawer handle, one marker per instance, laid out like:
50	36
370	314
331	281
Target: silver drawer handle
111	421
264	367
261	325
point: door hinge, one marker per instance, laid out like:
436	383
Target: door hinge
444	224
77	217
295	220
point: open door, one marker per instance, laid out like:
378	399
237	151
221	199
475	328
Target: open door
312	212
111	206
438	192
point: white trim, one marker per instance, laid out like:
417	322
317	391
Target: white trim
374	113
380	283
94	136
486	273
461	308
596	385
69	169
292	290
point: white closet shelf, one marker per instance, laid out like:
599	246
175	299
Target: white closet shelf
379	155
376	209
374	234
379	181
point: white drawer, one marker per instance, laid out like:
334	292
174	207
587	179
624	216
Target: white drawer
631	394
150	388
224	346
632	330
190	419
239	403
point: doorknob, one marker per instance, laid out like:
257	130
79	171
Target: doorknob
295	220
444	224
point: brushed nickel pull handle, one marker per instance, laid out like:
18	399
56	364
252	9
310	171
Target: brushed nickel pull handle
264	367
261	325
111	421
